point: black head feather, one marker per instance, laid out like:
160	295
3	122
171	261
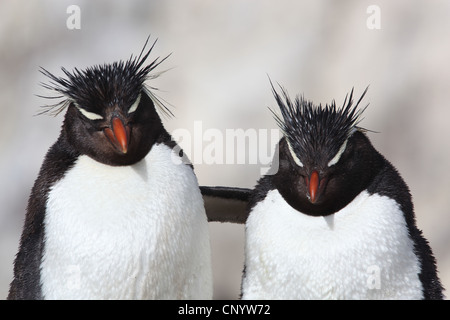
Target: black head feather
315	132
108	84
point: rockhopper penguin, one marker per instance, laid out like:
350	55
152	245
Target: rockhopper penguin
115	213
336	220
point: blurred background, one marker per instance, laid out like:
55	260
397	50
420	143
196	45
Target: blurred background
222	54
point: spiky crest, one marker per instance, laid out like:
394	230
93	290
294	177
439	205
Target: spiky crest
116	83
313	131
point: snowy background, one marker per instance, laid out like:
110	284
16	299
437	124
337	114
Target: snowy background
222	54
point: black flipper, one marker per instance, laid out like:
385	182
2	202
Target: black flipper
226	204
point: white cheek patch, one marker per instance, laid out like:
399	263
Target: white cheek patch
135	105
294	156
89	115
338	154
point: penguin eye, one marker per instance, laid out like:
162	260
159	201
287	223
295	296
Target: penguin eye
88	114
135	105
294	156
338	154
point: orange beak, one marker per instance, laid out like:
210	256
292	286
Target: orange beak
313	186
118	135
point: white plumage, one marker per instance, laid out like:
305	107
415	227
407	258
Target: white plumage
362	251
127	232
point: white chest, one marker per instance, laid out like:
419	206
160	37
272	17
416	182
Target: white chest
132	232
361	252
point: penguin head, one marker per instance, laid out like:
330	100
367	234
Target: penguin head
111	114
323	156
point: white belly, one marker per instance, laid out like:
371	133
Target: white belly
132	232
361	252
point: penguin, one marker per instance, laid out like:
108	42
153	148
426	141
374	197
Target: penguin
116	211
335	220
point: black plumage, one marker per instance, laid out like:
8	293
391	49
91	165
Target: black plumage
315	135
98	121
26	284
100	86
314	132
